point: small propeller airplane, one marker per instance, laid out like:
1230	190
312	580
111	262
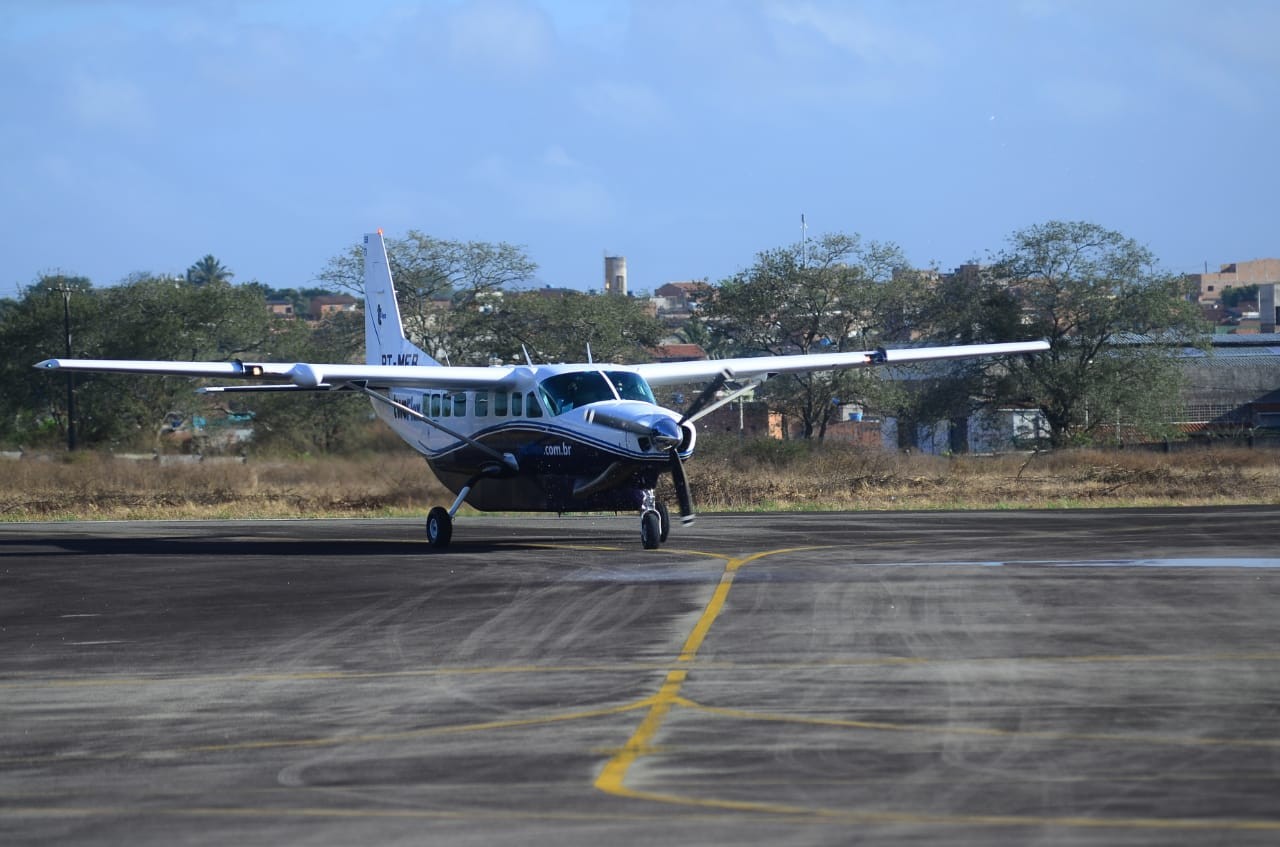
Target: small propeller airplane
529	438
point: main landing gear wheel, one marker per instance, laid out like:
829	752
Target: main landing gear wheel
650	530
439	527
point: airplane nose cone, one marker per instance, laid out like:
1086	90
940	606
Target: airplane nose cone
666	433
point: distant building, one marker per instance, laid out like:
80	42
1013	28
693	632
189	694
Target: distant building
681	297
969	272
1236	388
1237	274
742	419
327	305
281	308
678	353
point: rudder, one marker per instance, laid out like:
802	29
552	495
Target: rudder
384	339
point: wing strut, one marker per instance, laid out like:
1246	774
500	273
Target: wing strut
697	412
508	461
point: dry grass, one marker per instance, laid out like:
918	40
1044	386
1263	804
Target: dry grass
91	486
725	477
847	478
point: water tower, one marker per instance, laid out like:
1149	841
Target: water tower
615	275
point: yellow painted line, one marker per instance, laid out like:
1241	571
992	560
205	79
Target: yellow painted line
803	814
1041	735
853	661
794	814
876	661
340	740
612	777
713	609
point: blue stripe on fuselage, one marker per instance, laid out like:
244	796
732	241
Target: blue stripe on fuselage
544	430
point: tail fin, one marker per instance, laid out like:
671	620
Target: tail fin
384	339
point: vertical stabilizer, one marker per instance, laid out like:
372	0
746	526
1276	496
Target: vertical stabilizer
384	339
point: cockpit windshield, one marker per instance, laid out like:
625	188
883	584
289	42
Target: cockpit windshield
564	392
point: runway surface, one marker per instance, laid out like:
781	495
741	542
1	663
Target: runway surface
1106	677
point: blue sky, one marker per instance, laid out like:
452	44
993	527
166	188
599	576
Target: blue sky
139	135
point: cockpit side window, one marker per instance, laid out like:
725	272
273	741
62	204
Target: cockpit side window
630	386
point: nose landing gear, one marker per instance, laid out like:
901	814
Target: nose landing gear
655	522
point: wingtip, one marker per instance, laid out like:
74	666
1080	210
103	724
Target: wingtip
47	365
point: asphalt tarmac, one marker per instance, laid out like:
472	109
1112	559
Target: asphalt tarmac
1075	677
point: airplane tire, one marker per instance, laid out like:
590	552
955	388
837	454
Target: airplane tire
650	530
664	520
439	528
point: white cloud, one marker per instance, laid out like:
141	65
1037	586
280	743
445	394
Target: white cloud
503	38
849	29
557	157
633	106
102	102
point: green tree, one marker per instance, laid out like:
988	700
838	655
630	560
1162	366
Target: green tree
696	330
146	317
440	286
561	326
150	317
33	404
1234	296
832	295
1114	321
967	307
208	271
305	422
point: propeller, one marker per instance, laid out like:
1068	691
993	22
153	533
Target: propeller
681	484
665	434
678	478
668	435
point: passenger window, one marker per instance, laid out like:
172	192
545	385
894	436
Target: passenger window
435	405
446	405
532	407
460	405
516	397
499	404
482	404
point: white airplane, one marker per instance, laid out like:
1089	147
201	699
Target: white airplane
537	438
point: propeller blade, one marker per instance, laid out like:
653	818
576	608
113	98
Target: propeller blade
708	394
681	483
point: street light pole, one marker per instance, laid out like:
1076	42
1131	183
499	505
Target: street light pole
71	386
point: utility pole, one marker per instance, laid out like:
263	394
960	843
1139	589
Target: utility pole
71	386
804	242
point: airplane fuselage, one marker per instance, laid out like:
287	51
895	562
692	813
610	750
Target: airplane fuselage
542	420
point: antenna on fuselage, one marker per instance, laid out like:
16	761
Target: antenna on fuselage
527	357
590	361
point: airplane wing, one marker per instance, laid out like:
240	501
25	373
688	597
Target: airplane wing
297	375
673	373
294	376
